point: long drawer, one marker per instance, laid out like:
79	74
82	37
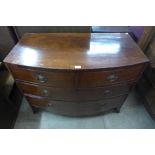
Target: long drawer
76	108
75	94
77	79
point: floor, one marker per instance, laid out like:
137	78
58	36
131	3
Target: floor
132	116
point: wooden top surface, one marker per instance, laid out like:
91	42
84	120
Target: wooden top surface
80	51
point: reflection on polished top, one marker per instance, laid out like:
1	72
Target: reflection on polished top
76	51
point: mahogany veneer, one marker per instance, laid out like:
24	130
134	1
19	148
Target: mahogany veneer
76	74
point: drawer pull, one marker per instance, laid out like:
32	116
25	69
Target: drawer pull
112	78
45	92
107	92
102	104
41	78
50	104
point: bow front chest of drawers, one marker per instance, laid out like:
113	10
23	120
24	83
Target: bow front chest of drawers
76	74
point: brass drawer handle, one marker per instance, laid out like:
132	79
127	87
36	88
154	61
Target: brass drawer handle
45	92
50	105
107	92
102	104
112	78
41	78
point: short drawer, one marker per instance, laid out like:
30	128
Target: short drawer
77	108
75	94
101	78
52	78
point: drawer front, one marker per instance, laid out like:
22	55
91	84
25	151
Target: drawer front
77	108
56	79
69	94
101	78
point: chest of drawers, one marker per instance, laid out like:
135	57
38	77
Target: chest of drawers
76	74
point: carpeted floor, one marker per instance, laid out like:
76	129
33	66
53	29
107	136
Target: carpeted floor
132	115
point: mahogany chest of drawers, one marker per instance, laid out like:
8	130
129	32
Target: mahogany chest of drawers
76	74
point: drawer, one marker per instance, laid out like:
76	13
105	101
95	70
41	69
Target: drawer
101	78
76	108
71	94
52	78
